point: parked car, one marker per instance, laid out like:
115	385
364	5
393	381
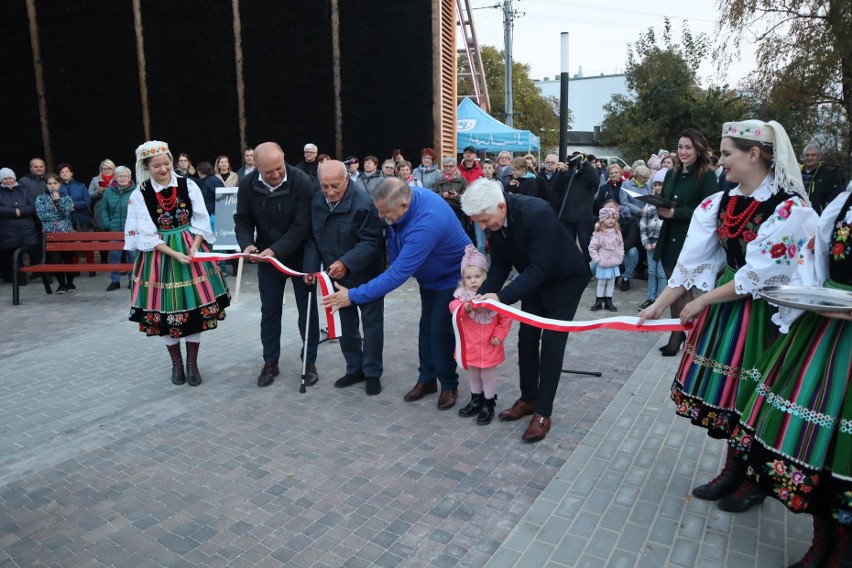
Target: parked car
607	161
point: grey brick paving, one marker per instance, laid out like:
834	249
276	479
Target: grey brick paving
104	463
623	496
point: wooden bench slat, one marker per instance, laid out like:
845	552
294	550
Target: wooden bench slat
83	247
38	268
85	236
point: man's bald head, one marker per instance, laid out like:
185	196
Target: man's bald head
269	161
334	180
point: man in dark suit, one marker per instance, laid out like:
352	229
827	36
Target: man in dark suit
526	234
347	241
273	218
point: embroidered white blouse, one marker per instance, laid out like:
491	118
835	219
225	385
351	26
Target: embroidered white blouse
770	259
813	264
140	232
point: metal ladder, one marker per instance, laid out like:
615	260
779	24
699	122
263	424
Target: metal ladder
475	71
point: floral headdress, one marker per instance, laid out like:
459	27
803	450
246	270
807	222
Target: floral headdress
149	150
785	166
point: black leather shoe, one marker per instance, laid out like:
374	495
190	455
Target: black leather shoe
486	414
420	390
473	407
374	386
113	286
744	498
311	376
267	374
625	284
348	381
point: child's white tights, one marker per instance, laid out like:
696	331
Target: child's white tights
606	288
483	381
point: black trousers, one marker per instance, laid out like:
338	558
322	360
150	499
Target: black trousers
581	233
540	352
271	285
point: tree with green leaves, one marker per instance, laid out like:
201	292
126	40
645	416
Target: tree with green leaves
804	77
664	96
532	111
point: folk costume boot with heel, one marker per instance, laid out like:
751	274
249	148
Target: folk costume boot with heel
193	376
178	378
821	545
744	497
726	482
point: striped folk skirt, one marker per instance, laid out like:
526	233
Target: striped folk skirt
798	423
174	299
720	352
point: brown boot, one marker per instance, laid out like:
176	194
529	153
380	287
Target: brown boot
178	377
194	377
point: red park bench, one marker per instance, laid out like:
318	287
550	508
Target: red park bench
70	242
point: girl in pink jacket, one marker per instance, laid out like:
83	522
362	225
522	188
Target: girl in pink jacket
482	336
607	251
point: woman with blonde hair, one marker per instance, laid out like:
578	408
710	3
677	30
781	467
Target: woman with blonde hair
223	172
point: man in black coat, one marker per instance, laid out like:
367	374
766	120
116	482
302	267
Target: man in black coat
576	209
822	183
274	202
309	165
347	240
526	234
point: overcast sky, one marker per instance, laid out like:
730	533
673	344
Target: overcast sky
598	32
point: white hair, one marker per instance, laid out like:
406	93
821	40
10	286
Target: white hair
482	196
812	147
310	147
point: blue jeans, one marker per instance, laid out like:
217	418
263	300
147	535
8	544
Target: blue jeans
480	238
656	277
631	259
114	257
437	342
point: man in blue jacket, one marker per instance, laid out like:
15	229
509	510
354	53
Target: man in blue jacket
425	240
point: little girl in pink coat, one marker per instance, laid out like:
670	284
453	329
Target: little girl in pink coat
482	334
607	251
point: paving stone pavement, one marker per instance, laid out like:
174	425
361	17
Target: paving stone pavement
104	463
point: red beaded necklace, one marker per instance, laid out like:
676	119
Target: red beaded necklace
167	203
734	225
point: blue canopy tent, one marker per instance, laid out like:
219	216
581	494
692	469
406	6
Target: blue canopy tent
477	128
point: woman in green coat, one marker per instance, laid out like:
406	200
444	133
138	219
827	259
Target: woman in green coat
114	215
688	184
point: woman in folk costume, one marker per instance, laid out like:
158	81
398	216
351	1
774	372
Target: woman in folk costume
171	295
797	426
752	235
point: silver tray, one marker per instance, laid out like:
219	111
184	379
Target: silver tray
813	299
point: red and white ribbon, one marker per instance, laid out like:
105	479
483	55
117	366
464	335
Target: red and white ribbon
620	323
325	284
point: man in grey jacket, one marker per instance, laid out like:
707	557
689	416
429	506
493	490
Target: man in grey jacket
347	240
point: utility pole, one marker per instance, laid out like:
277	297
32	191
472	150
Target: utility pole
563	100
508	23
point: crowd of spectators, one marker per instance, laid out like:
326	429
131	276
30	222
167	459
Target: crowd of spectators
576	189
